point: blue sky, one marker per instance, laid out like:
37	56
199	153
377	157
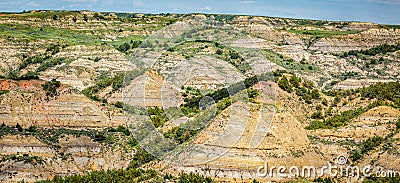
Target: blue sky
378	11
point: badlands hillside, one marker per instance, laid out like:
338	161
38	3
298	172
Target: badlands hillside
102	97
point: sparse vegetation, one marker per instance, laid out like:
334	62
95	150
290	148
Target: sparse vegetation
304	89
222	98
116	82
157	116
365	147
52	135
190	48
382	49
129	175
343	118
322	33
26	158
288	62
51	87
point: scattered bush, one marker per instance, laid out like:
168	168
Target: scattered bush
295	81
11	73
317	115
29	75
365	147
124	47
284	84
116	82
121	129
50	63
381	49
51	87
131	174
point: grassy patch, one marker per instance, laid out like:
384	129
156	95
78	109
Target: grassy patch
202	47
323	33
52	135
389	26
343	118
40	15
128	39
381	49
287	62
53	34
381	91
34	160
116	82
318	34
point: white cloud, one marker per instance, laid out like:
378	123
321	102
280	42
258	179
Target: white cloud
207	8
74	5
247	2
32	4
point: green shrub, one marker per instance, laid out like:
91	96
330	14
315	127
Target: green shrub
19	128
252	94
295	81
121	129
157	116
317	115
381	49
131	174
398	124
124	47
180	134
193	178
141	157
2	92
355	155
29	75
337	120
382	91
284	84
11	73
118	81
365	147
51	87
50	63
119	104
